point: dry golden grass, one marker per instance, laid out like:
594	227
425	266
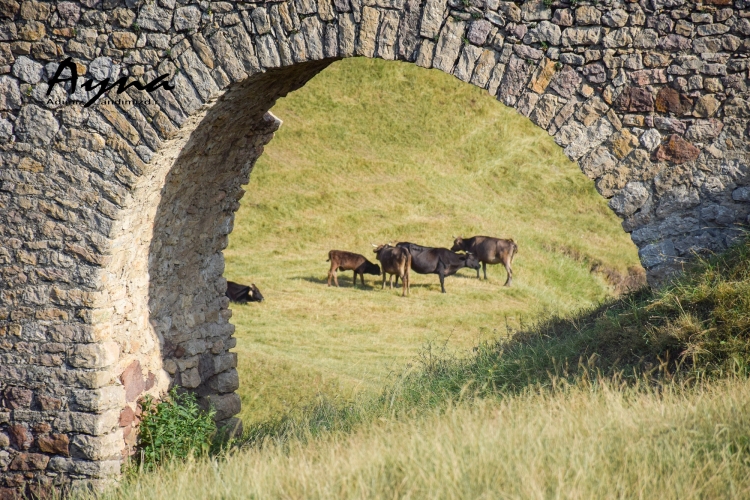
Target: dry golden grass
581	442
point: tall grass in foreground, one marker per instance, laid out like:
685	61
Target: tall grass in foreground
595	440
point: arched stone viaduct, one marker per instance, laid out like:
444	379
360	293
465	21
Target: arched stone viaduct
113	217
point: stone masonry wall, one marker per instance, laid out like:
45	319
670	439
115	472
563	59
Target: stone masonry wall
113	217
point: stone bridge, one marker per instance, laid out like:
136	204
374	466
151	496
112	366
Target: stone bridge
113	216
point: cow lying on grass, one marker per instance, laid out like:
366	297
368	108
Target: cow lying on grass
440	261
348	261
243	294
396	261
489	251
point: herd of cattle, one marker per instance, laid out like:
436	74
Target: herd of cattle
404	257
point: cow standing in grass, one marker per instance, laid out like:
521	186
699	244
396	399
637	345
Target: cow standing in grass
489	251
395	261
349	261
440	261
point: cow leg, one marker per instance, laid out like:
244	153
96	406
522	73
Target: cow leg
384	275
478	276
441	275
484	268
510	274
390	281
329	278
355	279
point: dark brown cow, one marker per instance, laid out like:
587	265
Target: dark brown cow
440	261
396	261
489	251
348	261
243	293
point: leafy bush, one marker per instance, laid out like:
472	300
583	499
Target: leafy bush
176	428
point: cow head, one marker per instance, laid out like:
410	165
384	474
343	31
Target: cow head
471	260
255	295
458	244
370	268
378	248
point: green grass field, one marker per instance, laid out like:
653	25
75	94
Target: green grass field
374	151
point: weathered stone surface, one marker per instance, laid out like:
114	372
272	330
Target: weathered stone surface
36	125
133	381
153	18
448	46
630	199
478	31
566	82
704	130
670	101
20	437
27	70
432	18
581	36
676	150
187	18
635	99
368	32
17	397
650	139
469	56
56	444
706	106
29	462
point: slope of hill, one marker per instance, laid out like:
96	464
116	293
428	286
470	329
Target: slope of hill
374	151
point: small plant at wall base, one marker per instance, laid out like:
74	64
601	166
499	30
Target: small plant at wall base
176	428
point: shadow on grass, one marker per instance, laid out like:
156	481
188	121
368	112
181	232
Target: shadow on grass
344	282
372	285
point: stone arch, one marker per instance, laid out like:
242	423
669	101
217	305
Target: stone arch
113	217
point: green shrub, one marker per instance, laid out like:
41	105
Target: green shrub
176	428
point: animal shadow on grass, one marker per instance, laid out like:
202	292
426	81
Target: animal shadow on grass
344	281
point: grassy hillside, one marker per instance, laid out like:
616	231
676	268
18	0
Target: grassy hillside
373	151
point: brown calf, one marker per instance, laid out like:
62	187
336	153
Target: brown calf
348	261
396	261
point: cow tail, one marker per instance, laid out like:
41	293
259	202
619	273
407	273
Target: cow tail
515	250
329	257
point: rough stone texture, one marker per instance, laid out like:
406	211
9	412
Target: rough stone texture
113	217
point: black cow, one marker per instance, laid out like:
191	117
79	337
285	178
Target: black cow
440	261
489	251
243	294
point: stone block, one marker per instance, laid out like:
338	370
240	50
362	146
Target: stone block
98	448
94	355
